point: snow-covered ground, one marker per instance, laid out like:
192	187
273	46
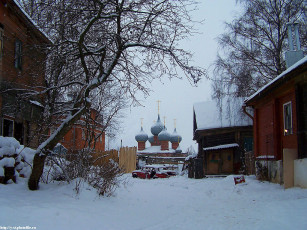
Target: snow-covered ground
174	203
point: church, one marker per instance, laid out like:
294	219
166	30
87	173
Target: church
164	147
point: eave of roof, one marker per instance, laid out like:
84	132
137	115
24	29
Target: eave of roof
30	22
301	64
226	146
208	132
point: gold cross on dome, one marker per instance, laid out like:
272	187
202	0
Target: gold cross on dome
142	122
175	123
159	106
164	120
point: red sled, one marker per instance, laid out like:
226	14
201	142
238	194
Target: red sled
239	179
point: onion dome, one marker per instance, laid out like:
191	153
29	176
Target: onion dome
157	127
141	136
164	135
151	139
175	137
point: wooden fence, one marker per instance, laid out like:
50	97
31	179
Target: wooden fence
126	157
100	158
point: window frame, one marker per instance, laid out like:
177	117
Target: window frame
18	54
13	127
288	125
1	41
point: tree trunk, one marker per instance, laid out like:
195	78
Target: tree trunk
37	171
49	144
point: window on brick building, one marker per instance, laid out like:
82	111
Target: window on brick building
1	41
18	54
8	128
83	134
288	118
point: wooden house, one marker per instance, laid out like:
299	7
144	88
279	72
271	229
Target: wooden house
223	135
21	67
280	124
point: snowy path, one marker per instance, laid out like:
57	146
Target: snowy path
174	203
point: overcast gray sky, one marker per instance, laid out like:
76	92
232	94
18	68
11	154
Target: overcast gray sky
178	96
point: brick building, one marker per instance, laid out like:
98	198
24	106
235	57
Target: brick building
22	62
87	132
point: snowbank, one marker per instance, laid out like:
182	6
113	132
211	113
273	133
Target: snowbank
173	203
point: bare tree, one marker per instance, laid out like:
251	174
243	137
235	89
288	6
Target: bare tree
254	44
99	42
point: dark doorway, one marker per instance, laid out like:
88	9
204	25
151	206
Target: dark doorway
8	128
18	132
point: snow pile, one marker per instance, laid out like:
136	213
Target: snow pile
173	203
156	149
15	159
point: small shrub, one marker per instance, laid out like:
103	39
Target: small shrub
261	172
79	167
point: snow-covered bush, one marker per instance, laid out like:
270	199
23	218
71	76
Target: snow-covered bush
15	159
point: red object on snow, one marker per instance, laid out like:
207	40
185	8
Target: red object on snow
150	171
239	179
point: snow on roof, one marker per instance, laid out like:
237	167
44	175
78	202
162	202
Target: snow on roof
155	149
227	146
283	74
266	157
31	20
209	116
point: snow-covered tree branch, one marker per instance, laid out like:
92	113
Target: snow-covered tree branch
123	44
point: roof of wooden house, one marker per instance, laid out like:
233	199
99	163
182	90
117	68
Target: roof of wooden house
285	76
208	115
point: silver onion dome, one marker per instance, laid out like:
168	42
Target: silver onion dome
141	136
164	135
157	127
175	137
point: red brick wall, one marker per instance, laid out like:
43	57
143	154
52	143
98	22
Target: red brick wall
175	145
32	72
141	145
164	145
156	141
73	140
17	26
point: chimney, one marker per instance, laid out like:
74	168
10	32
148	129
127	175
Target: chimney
295	53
